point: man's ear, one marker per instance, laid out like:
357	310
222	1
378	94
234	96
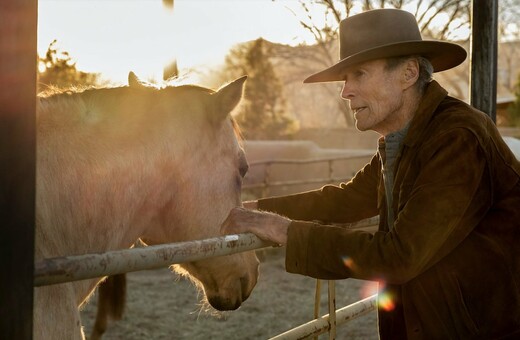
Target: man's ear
410	73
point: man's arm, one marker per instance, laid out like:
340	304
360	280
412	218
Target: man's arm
344	203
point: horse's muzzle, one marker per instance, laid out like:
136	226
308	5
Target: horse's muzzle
231	299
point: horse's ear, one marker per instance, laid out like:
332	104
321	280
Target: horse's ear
229	96
134	81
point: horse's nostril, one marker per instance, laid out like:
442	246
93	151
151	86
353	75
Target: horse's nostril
223	304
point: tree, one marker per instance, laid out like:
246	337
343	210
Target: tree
58	70
438	19
509	34
262	114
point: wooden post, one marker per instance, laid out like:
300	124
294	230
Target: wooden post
18	23
483	80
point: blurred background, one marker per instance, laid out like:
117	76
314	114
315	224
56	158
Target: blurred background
277	43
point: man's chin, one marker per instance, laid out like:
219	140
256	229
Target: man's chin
360	127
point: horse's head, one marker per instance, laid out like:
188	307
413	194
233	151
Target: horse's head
201	181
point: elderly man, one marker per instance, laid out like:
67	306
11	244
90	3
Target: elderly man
444	183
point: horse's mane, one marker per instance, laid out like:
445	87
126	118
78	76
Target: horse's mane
83	95
52	90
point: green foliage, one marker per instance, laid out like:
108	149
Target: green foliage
57	70
514	109
263	111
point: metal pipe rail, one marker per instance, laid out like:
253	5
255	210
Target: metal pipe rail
322	324
88	266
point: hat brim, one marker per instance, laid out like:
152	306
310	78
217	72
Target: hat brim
442	55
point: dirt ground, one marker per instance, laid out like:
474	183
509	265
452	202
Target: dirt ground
163	305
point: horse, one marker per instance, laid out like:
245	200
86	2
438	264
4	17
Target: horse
121	164
111	302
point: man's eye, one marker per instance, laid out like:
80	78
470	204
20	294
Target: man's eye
359	73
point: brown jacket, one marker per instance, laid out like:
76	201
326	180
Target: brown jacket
451	263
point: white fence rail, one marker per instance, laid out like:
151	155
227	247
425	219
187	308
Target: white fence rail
323	324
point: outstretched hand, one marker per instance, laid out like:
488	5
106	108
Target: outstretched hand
267	226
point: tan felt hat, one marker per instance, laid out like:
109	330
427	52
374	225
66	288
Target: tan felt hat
386	33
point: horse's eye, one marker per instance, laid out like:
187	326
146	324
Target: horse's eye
244	167
242	164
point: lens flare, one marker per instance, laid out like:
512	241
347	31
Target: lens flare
369	288
349	263
385	302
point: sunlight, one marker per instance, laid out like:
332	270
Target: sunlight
113	47
114	37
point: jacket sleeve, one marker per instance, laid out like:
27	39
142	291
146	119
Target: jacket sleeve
346	203
448	198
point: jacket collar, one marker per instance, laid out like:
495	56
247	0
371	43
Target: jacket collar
431	99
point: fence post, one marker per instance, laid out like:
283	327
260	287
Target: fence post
483	79
267	173
18	28
331	171
317	301
332	309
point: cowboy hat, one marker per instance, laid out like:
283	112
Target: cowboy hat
386	33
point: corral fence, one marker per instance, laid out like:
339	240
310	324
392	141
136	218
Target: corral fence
88	266
268	181
80	267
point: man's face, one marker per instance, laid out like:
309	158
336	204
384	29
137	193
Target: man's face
375	95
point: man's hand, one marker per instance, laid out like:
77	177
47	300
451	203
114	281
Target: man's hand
267	226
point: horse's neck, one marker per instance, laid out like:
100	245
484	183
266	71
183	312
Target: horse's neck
93	195
97	208
99	188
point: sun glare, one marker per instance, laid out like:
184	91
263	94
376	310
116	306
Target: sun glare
114	37
123	36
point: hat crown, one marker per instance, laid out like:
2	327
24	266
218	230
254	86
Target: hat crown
376	28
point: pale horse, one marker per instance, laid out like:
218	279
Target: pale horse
120	164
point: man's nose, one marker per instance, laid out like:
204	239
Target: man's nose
347	92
